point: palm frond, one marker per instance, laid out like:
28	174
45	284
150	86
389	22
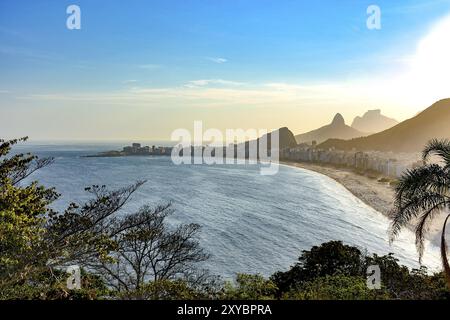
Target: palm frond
437	147
422	227
411	207
424	192
428	177
418	190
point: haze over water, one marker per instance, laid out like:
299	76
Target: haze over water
250	223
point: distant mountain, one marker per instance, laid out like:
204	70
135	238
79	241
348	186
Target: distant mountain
373	121
408	136
286	140
337	129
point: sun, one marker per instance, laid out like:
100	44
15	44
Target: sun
424	77
429	71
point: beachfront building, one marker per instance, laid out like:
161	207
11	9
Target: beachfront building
385	163
137	149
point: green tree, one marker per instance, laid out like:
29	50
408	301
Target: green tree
146	249
336	287
23	210
423	193
330	258
51	284
176	289
37	243
401	283
334	265
250	287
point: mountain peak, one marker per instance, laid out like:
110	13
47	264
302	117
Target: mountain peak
338	120
408	136
337	129
373	121
373	113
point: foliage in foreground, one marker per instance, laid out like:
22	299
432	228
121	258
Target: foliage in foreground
121	252
334	270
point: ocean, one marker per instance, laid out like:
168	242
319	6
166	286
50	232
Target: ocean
250	223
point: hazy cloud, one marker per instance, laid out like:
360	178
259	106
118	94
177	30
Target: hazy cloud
209	82
217	60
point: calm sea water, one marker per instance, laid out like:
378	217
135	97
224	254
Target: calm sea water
250	223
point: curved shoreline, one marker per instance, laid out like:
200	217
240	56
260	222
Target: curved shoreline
378	195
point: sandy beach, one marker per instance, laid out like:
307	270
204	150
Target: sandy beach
378	195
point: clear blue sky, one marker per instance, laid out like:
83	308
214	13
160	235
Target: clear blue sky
127	46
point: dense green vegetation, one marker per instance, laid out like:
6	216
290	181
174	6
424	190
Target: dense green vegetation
138	256
122	252
338	271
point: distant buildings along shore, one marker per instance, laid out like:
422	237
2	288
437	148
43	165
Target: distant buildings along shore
137	149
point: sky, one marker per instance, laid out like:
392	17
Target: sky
141	69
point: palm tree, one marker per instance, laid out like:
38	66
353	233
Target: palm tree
423	193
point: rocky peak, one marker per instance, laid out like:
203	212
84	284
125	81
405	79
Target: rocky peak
338	120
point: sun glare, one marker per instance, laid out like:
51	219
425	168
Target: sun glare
423	80
430	66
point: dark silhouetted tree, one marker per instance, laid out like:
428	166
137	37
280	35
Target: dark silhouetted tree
423	193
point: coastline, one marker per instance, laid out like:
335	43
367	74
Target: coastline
378	195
